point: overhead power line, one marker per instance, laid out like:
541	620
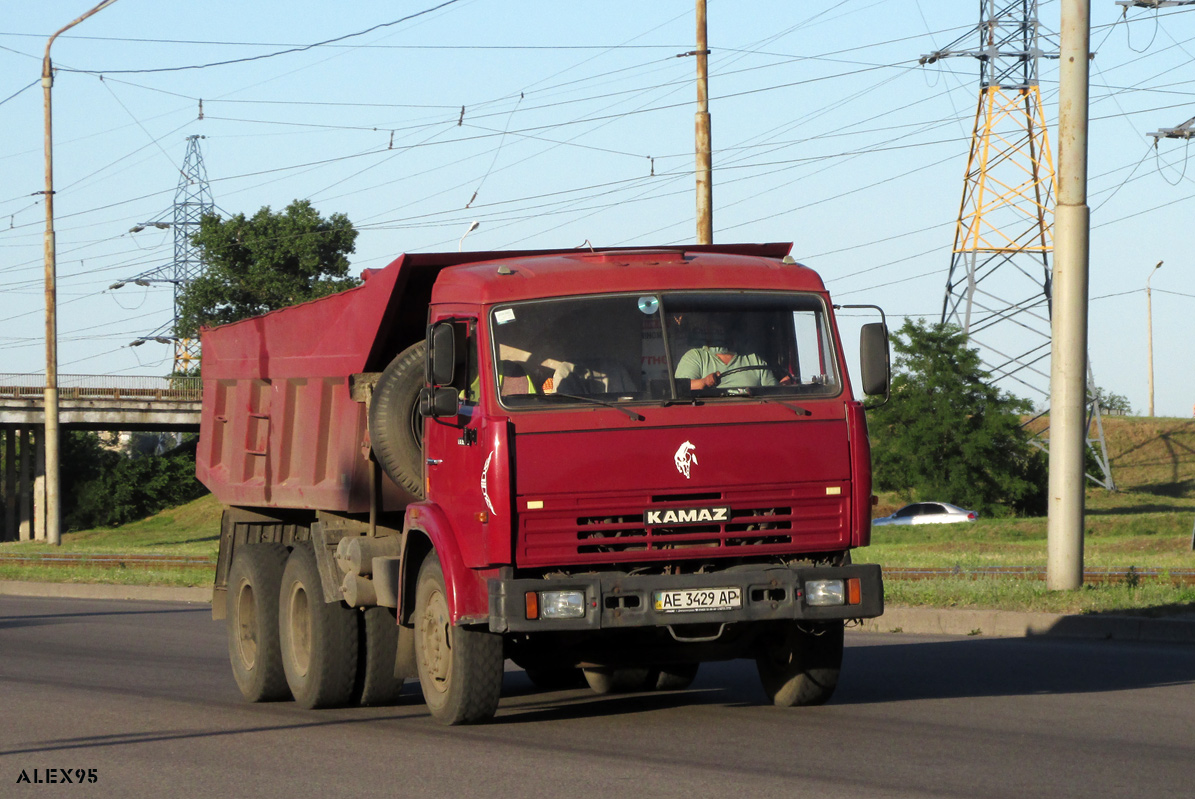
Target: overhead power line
263	56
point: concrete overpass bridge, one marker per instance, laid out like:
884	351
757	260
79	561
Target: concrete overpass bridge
85	402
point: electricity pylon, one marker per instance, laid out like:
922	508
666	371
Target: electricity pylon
192	199
998	287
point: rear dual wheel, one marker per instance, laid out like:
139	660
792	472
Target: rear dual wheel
252	614
376	683
672	677
319	639
801	663
605	680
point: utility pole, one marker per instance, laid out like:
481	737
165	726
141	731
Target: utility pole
705	169
53	529
1068	362
1149	326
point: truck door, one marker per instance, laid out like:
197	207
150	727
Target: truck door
460	455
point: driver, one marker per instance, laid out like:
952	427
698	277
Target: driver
705	365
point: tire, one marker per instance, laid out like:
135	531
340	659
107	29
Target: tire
318	638
252	621
555	678
376	683
603	680
800	667
674	677
395	425
460	670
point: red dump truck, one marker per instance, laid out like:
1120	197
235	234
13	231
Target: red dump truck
608	466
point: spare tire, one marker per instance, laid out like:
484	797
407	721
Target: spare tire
395	424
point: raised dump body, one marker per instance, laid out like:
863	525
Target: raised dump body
620	461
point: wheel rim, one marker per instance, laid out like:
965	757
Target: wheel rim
246	626
300	629
436	639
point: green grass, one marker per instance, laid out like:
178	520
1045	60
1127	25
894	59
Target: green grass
111	575
192	530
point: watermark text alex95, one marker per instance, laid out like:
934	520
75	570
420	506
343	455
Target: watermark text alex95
58	776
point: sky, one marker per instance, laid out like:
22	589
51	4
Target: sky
562	124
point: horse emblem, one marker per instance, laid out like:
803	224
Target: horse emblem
685	458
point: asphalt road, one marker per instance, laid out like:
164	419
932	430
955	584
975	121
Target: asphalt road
139	694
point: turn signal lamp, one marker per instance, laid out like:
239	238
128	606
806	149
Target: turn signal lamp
854	591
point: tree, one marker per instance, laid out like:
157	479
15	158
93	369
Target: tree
122	487
267	262
1111	402
948	434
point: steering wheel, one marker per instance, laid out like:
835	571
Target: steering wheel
744	369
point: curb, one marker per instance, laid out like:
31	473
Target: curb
153	593
1014	624
896	620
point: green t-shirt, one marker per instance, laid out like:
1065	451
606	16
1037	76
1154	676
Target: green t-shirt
701	361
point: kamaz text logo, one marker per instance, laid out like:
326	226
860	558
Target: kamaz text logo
686	516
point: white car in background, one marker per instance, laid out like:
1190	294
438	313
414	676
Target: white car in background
927	513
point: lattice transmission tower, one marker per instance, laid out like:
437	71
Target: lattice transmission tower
192	199
998	288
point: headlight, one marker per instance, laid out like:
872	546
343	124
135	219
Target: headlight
819	593
562	604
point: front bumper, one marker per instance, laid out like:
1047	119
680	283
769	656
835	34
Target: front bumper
615	600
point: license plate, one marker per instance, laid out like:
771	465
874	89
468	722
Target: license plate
689	600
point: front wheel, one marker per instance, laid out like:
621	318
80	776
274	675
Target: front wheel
460	670
800	665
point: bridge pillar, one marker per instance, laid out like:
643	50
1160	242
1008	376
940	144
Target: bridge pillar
39	483
10	484
25	495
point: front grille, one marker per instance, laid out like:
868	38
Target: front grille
612	529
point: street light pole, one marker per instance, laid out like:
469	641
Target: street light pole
1068	357
53	530
1149	318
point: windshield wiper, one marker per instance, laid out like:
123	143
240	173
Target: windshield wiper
637	417
790	405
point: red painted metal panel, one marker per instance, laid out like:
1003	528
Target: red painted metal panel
787	484
860	474
468	594
596	273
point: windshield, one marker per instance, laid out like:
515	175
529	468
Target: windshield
679	346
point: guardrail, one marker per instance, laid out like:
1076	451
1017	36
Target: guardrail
163	389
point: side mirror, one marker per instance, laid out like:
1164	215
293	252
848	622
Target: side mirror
873	359
436	403
441	355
